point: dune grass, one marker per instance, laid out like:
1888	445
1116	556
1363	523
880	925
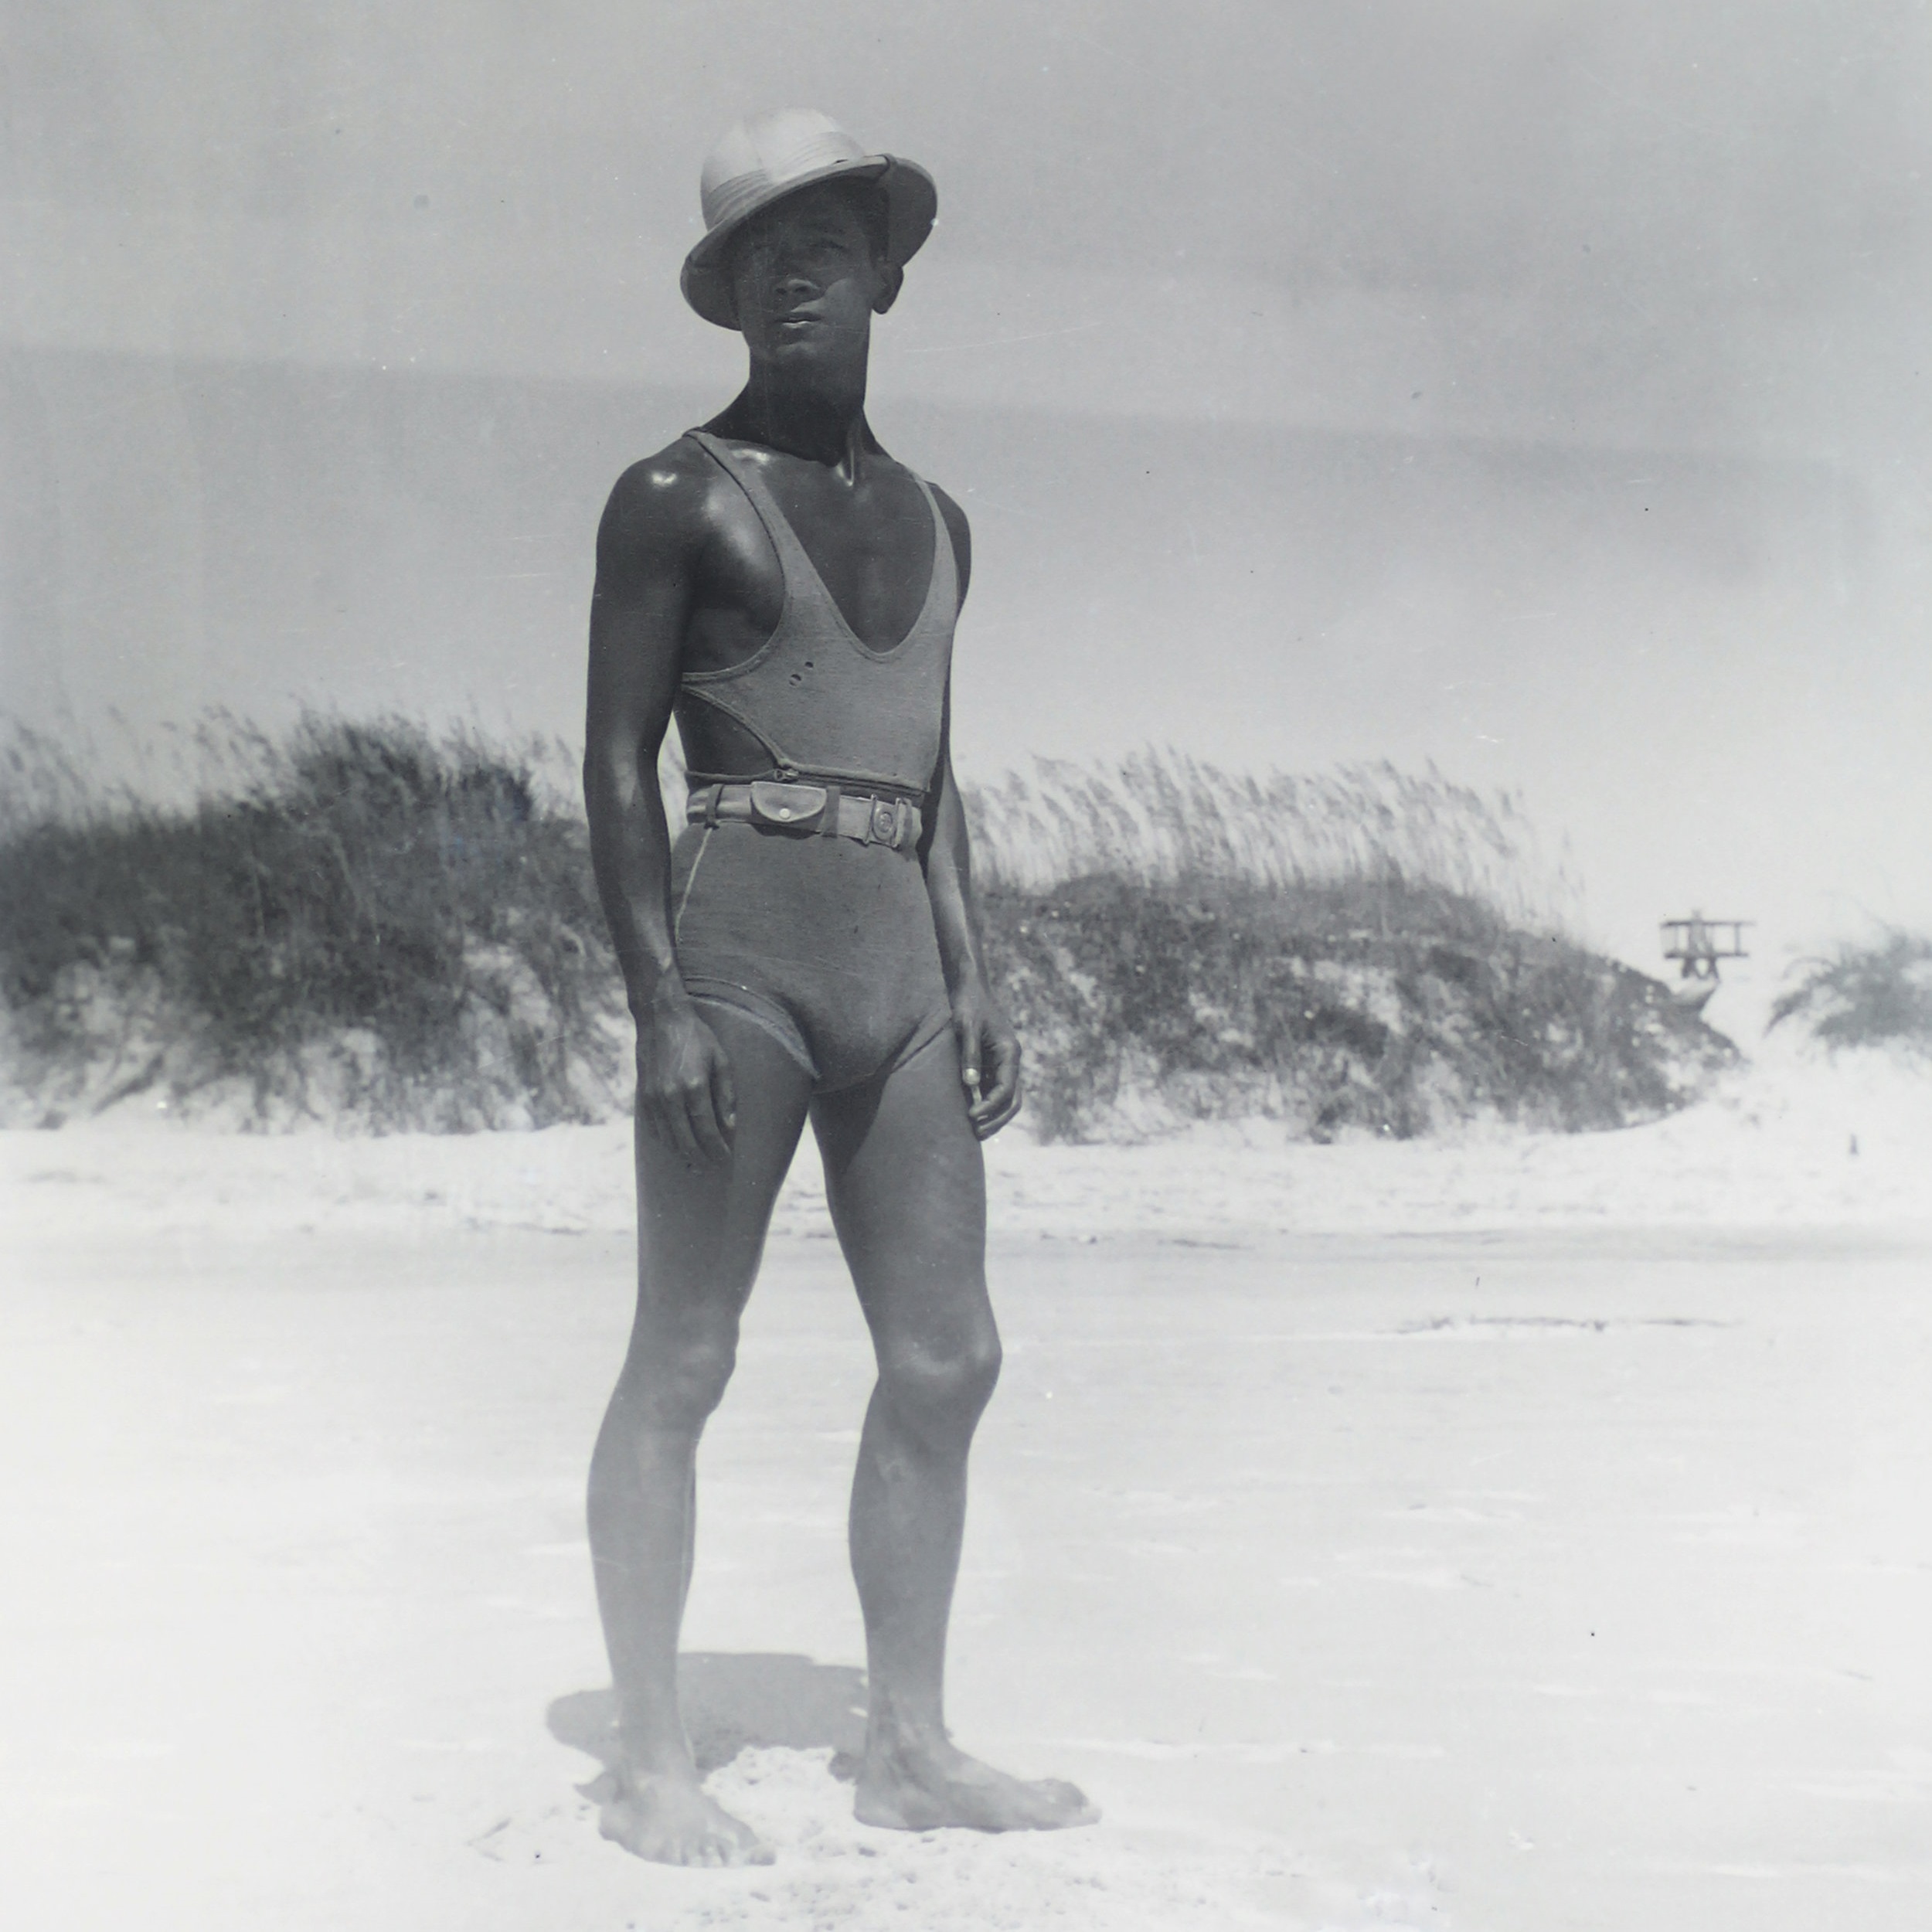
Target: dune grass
1162	819
1875	992
1363	951
359	915
369	923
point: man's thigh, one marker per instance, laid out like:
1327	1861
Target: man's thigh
906	1184
700	1224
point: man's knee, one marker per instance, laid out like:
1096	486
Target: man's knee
941	1389
676	1376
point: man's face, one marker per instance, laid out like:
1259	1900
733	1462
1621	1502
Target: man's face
806	281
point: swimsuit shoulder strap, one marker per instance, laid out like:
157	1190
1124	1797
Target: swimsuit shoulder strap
796	566
942	588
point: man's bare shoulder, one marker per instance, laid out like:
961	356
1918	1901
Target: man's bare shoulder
667	501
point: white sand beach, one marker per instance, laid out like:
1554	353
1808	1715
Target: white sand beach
1513	1535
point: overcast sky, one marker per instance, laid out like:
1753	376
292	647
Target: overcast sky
1537	388
1643	220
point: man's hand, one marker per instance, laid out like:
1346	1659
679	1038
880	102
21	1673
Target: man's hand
988	1062
685	1094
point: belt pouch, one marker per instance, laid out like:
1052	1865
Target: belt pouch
796	807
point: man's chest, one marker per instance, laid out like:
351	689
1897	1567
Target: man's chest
870	544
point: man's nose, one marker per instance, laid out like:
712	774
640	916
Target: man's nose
793	283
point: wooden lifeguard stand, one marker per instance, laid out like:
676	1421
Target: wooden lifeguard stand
1697	944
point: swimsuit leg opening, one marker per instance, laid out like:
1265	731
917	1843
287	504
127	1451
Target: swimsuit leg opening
768	1016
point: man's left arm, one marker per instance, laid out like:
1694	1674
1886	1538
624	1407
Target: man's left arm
988	1047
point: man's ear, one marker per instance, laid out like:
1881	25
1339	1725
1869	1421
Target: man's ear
891	279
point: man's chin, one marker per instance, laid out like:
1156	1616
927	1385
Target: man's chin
803	348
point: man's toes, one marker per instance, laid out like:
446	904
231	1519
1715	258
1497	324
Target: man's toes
1076	1807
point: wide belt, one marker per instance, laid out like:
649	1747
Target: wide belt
872	818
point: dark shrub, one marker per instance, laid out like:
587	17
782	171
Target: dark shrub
1136	1002
1879	994
361	879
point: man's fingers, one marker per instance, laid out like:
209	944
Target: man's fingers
651	1114
676	1121
968	1036
987	1126
1000	1101
702	1119
724	1094
1006	1080
997	1091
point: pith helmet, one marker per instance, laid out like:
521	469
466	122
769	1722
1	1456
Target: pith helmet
759	162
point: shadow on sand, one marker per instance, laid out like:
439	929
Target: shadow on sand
732	1701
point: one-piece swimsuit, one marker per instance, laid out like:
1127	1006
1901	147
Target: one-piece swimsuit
825	942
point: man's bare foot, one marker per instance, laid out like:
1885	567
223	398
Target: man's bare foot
917	1789
668	1818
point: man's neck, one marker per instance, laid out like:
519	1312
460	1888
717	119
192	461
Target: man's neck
824	423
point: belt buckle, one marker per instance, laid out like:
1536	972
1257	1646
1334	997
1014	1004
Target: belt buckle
885	822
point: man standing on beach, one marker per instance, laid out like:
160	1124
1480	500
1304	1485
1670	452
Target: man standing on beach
809	948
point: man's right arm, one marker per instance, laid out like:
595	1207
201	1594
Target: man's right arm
650	545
